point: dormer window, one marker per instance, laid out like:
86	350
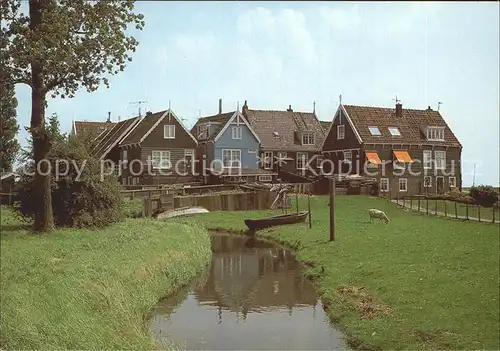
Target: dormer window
308	138
435	133
374	130
394	131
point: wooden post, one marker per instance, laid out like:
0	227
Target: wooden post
445	212
479	212
309	208
427	205
10	194
332	209
467	210
297	200
456	214
436	207
419	205
493	220
411	203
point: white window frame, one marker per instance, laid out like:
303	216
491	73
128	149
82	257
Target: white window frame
374	127
319	160
340	132
301	160
267	160
232	159
265	178
189	152
281	155
382	181
346	158
443	159
450	182
237	133
430	182
202	132
164	157
396	129
435	133
124	181
308	138
124	158
427	161
169	131
401	182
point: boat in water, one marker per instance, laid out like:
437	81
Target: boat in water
182	211
261	223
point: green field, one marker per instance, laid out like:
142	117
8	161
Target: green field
421	282
82	289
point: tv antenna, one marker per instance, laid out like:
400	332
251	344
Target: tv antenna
439	105
396	99
138	103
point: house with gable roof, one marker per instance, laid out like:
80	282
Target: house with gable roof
229	148
92	127
153	149
289	139
408	151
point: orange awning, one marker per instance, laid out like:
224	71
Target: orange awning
402	156
372	157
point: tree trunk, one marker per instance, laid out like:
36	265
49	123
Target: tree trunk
44	219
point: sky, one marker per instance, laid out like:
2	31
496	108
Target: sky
275	54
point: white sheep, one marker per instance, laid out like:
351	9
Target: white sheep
377	214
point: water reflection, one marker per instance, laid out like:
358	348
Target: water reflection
252	296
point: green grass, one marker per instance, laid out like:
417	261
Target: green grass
437	279
448	207
82	289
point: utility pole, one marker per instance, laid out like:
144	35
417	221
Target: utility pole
439	105
474	176
332	208
138	103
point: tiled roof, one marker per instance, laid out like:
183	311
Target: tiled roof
277	129
325	125
142	128
94	127
113	136
411	125
222	118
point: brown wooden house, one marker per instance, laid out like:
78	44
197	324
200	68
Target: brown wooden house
407	151
91	127
290	140
154	149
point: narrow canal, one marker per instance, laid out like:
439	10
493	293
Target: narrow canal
253	297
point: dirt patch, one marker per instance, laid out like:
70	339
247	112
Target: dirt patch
368	306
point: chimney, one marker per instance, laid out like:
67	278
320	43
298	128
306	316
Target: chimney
220	106
109	117
244	109
429	108
149	113
399	109
289	108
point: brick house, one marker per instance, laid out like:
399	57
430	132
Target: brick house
150	150
407	151
228	147
289	139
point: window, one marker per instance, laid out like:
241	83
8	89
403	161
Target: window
169	131
237	132
160	159
189	154
427	159
124	181
348	156
427	182
403	184
374	130
440	159
202	132
231	158
308	138
302	160
125	159
452	181
384	185
129	180
281	155
319	159
340	132
394	131
265	178
136	180
435	133
268	159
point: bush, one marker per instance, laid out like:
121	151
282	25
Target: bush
455	195
484	195
85	201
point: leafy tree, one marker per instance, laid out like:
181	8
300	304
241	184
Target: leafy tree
56	48
9	146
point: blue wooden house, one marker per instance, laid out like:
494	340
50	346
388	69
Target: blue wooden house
228	149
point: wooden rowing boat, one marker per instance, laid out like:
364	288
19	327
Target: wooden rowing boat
182	211
261	223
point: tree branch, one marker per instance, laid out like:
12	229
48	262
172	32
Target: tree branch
18	81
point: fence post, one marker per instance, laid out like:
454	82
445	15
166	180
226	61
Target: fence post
411	203
479	212
456	214
419	205
445	212
436	207
493	220
467	210
427	205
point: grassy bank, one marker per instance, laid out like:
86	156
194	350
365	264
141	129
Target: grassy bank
420	282
82	289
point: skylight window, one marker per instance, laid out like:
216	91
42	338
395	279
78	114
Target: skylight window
374	130
394	131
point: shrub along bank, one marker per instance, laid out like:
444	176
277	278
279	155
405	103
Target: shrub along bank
92	289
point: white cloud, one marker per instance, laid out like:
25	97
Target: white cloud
192	46
339	18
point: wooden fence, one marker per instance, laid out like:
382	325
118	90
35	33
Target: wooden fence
451	209
242	201
155	192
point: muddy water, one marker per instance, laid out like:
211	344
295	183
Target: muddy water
251	297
